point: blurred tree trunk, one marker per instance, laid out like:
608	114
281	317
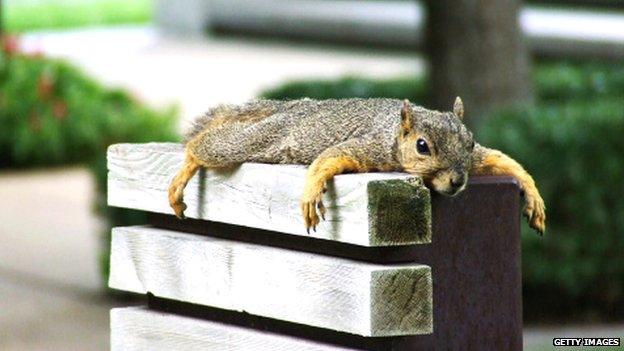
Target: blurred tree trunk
476	50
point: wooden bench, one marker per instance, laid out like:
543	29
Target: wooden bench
392	267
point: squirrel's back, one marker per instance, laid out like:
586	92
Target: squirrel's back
295	131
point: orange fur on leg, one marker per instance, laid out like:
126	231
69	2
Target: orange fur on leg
494	162
321	171
176	188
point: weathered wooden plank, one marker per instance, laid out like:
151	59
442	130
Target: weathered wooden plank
328	292
136	328
365	209
479	228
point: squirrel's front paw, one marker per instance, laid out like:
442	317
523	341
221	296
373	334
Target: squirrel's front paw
535	211
310	201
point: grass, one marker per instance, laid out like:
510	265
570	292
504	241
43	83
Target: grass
30	15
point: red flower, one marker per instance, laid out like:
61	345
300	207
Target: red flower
10	44
59	110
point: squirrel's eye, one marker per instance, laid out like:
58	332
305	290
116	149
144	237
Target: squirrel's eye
473	145
422	147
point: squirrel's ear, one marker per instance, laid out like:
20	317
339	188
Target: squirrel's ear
458	108
406	117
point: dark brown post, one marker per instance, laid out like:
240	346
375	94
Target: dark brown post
475	261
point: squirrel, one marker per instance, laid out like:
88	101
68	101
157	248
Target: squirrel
348	135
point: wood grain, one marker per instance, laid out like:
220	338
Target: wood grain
267	197
136	328
328	292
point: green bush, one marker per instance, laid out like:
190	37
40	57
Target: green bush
400	88
574	151
572	142
576	129
570	81
52	114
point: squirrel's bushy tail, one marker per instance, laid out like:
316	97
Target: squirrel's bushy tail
199	123
223	114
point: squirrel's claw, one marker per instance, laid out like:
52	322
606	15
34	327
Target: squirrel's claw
321	209
310	217
176	201
309	204
180	214
178	209
535	211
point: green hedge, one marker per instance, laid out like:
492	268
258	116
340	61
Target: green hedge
559	82
402	88
52	114
574	151
572	141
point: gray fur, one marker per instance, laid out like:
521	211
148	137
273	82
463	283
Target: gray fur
298	131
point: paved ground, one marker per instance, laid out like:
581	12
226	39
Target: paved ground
49	233
42	315
49	283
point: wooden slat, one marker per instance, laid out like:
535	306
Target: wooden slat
135	328
364	209
339	294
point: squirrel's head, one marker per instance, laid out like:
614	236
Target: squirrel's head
436	146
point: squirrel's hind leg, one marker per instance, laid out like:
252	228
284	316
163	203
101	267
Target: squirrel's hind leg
176	188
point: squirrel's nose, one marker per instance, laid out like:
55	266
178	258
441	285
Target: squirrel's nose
458	180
